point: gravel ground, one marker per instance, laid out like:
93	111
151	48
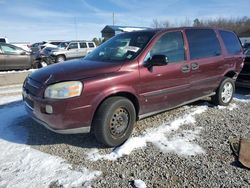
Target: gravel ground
216	167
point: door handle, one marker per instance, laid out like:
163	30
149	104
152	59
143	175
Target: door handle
195	66
185	68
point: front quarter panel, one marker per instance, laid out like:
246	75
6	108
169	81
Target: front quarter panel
99	88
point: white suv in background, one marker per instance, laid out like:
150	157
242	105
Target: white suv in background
75	49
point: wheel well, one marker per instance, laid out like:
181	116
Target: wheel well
61	55
231	74
127	95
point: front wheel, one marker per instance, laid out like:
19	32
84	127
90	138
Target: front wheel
60	58
224	93
114	121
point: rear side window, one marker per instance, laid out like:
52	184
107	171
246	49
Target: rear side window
231	42
91	45
83	45
2	40
202	43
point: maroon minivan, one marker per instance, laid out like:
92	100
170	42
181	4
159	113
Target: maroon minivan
132	76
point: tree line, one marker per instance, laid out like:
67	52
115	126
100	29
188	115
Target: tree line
241	26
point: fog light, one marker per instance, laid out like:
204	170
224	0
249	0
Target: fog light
48	109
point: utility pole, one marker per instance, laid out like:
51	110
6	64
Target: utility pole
76	29
113	18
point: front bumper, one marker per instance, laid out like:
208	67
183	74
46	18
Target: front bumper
67	117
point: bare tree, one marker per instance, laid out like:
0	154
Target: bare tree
239	25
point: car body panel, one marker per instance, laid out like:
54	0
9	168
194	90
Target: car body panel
151	89
17	58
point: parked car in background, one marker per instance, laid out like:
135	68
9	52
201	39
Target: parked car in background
14	58
4	40
35	47
132	76
243	79
52	43
246	46
72	50
24	45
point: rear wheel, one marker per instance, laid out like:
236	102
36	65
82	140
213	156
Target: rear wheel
224	93
114	121
60	58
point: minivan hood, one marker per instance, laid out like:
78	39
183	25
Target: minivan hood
73	70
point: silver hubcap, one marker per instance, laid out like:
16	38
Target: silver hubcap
227	92
60	59
44	64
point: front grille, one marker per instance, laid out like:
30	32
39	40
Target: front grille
32	87
29	102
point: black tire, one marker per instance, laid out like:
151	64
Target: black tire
224	93
114	121
60	58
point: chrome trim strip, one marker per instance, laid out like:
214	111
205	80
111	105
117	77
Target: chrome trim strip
160	111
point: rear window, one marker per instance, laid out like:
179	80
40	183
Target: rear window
2	40
91	45
231	42
203	43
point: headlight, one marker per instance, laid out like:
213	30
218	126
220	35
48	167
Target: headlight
64	90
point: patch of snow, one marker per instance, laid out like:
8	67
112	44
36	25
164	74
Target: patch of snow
9	99
230	107
22	166
242	98
10	89
180	144
139	184
17	71
129	29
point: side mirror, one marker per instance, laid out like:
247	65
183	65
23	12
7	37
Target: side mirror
157	60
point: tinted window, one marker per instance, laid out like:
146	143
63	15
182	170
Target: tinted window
55	43
91	45
171	45
73	46
231	42
202	43
2	40
83	45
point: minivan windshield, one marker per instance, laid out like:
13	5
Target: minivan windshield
122	47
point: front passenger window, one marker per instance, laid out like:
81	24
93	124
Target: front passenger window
171	45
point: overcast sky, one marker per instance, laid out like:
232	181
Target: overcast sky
37	20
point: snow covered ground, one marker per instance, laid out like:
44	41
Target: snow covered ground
22	166
180	144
